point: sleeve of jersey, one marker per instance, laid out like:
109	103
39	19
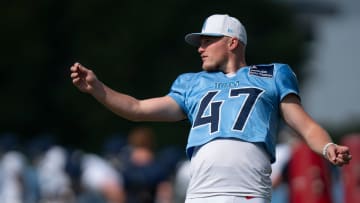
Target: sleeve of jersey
178	90
286	82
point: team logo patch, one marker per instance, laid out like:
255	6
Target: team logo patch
262	70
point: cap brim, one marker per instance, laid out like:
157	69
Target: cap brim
194	38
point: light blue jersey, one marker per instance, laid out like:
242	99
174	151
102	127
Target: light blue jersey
242	106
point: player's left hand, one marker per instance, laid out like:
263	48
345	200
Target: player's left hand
338	155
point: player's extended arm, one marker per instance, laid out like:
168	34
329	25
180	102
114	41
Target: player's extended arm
314	135
154	109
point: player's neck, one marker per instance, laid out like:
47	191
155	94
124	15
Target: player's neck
233	68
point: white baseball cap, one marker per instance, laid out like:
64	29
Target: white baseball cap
219	25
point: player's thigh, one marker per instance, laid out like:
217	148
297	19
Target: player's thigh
227	199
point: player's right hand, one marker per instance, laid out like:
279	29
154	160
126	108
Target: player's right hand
338	155
84	79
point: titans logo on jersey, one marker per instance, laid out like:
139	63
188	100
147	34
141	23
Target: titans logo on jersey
241	106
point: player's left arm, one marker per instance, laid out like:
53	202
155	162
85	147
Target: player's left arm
314	135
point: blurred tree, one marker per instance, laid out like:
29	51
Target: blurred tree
133	46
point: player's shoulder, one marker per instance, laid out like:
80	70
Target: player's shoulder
269	70
284	69
281	66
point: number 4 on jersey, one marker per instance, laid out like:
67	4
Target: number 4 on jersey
251	93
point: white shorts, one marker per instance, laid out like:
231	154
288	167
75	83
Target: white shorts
230	168
227	199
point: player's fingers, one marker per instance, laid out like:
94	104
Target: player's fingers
343	153
76	81
343	150
345	157
342	159
74	74
72	68
76	67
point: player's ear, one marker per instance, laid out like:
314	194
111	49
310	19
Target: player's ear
233	43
